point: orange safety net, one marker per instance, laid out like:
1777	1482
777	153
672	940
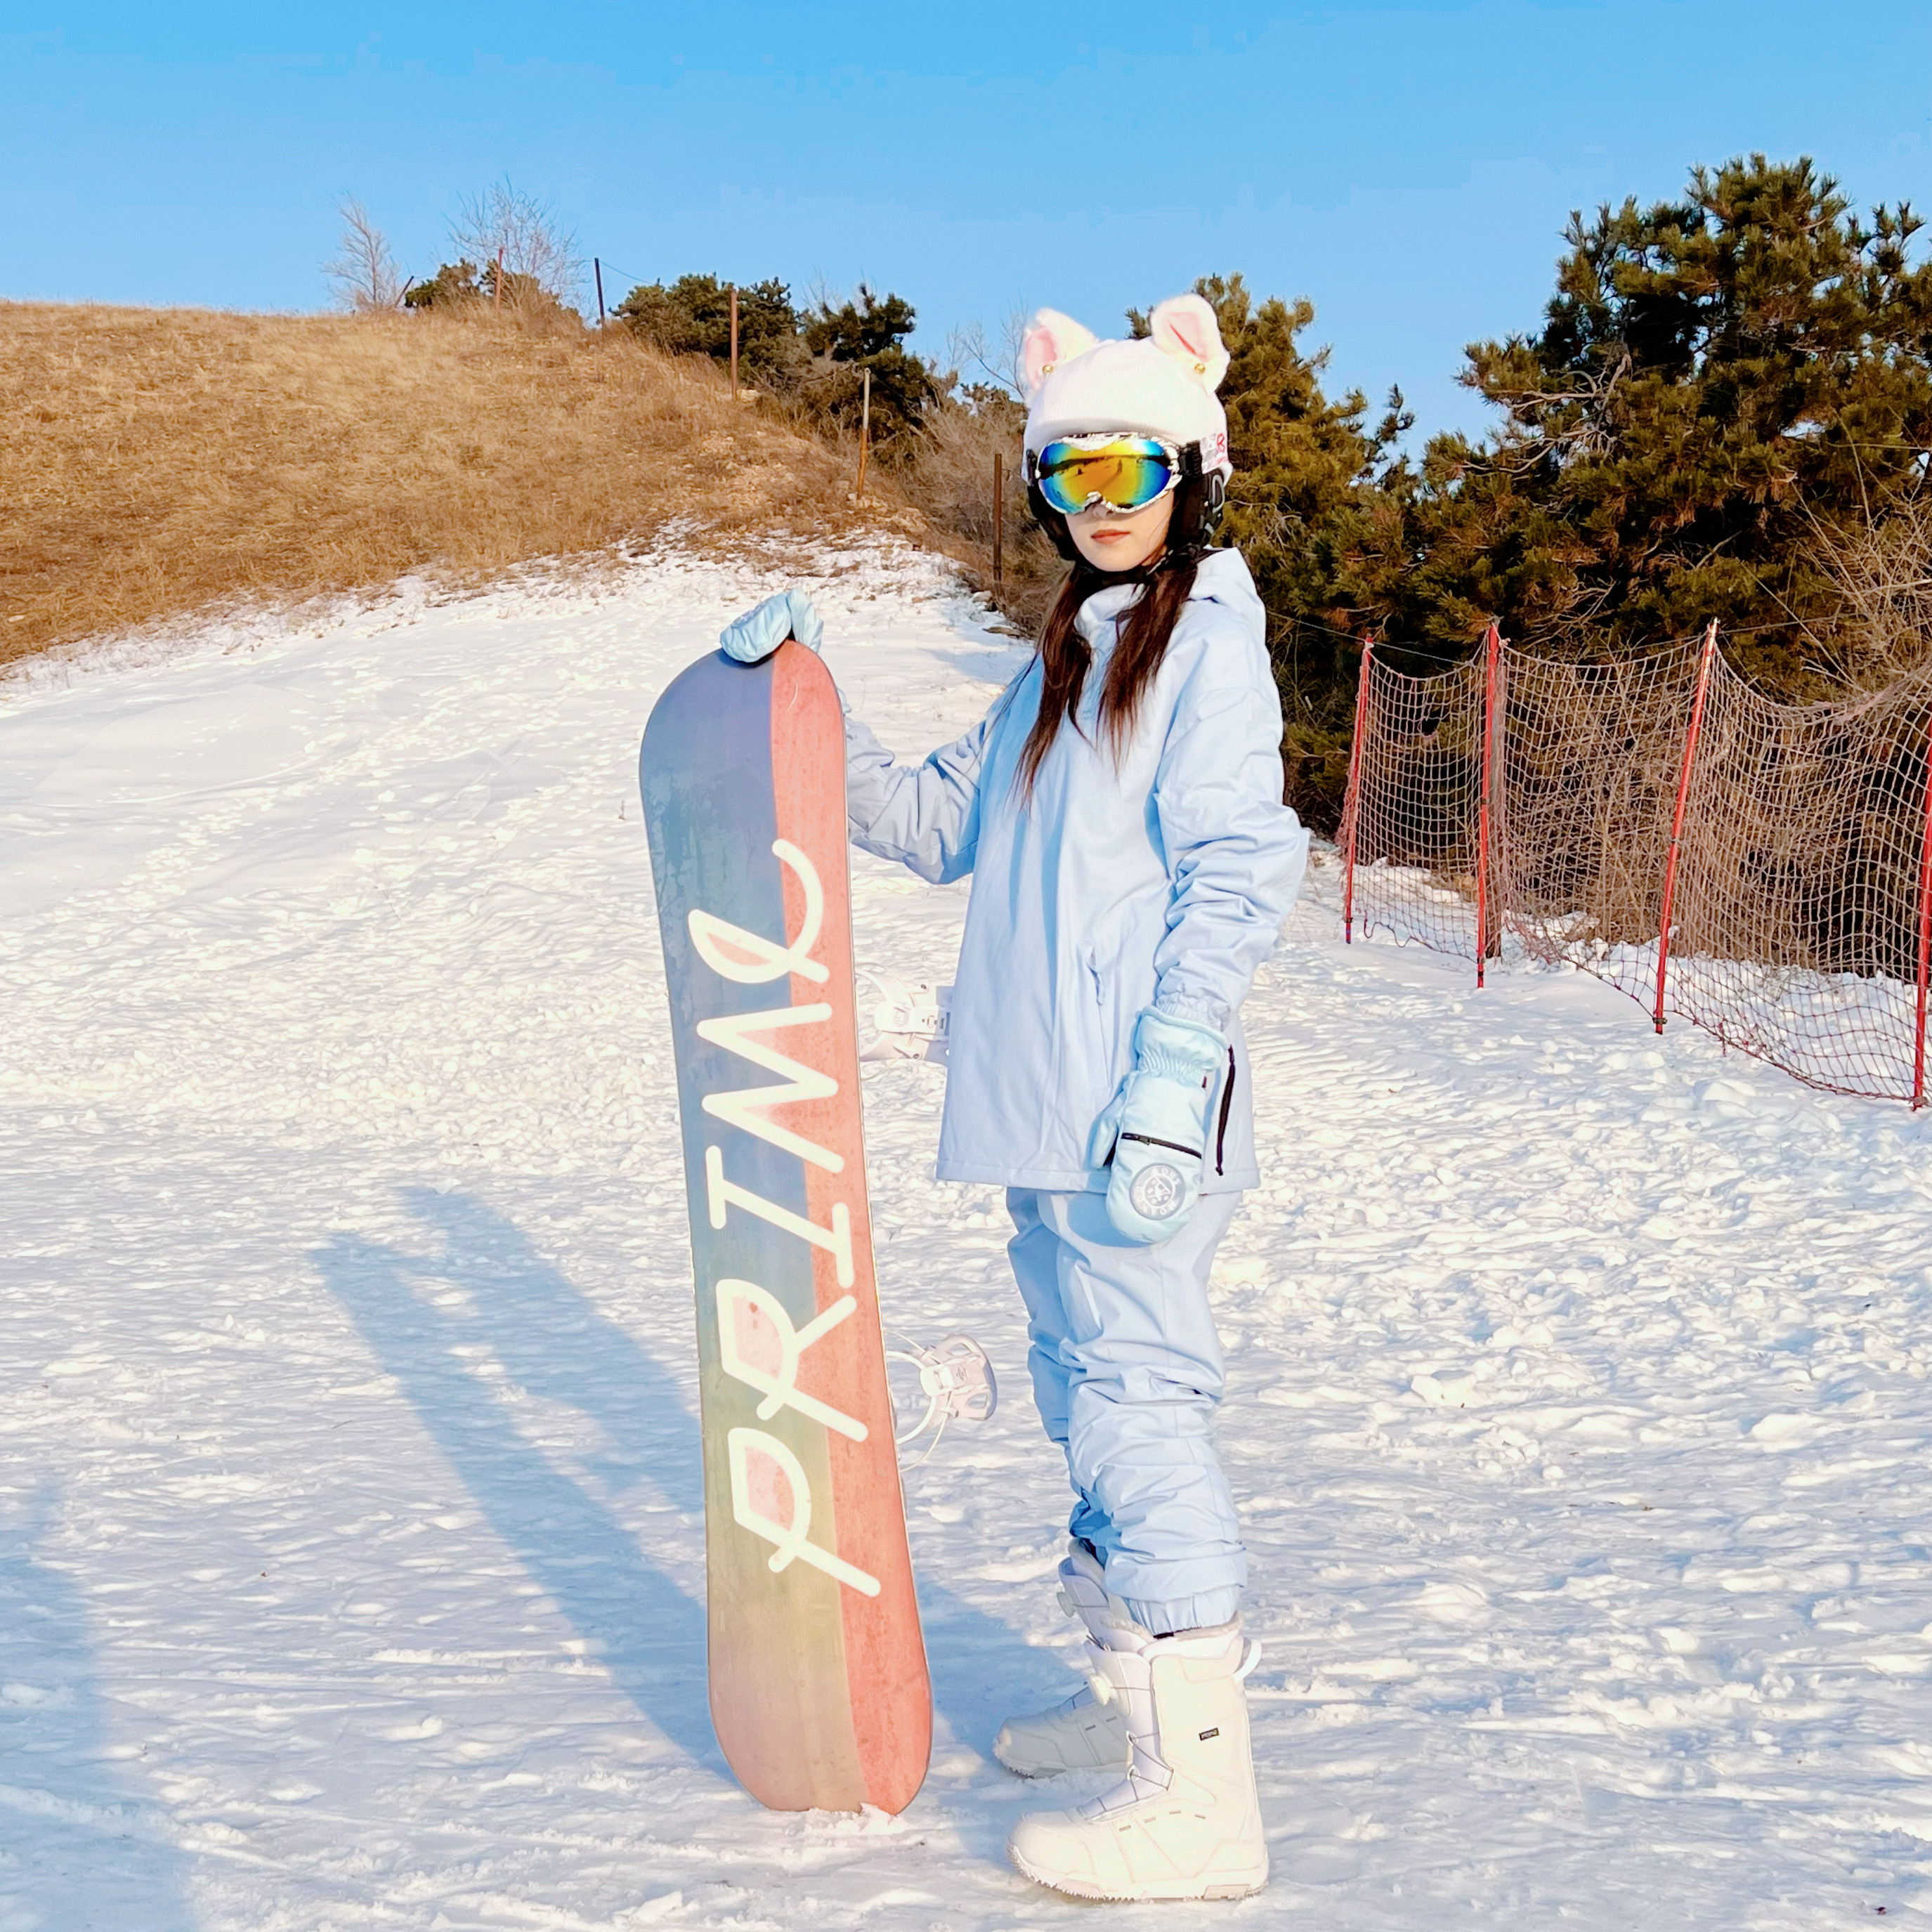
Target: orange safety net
1797	928
1798	903
1591	757
1414	793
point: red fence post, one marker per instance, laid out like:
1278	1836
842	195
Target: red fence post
1351	801
1690	737
1924	934
1493	645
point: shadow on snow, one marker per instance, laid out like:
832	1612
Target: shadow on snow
555	1343
78	1847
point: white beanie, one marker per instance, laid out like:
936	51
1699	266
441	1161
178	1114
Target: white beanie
1162	385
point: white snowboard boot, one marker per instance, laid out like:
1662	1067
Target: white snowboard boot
1082	1734
1186	1821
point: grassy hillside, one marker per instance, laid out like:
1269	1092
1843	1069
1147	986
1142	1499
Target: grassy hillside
155	461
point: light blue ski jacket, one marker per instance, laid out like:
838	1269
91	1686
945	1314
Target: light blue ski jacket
1159	880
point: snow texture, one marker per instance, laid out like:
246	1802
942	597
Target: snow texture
351	1564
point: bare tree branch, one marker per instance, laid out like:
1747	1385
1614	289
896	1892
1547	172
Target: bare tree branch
537	250
368	279
1881	567
968	349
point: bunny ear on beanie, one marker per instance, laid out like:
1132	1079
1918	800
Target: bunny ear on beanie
1051	339
1185	326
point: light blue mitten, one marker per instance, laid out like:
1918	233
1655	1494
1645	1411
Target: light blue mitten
1165	1124
753	637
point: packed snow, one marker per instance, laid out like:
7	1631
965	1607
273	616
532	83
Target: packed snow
351	1559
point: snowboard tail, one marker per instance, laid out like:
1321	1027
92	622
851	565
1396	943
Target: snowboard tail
819	1690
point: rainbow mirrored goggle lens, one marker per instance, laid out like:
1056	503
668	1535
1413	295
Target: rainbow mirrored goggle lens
1124	472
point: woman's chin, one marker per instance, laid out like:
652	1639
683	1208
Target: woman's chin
1113	557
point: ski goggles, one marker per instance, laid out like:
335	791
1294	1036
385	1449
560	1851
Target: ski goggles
1120	472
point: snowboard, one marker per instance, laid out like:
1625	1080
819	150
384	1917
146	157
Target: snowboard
819	1690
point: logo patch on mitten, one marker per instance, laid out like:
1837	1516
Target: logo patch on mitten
1156	1191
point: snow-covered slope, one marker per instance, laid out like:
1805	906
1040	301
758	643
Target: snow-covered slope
350	1561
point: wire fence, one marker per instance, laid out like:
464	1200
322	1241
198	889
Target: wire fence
1763	870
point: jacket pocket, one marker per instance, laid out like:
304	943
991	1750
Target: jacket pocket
1227	1107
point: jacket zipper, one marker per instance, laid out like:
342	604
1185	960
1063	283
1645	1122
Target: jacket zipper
1227	1106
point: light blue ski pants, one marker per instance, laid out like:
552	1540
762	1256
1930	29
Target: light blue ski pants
1127	1374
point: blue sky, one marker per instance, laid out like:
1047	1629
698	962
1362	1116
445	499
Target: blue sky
1409	169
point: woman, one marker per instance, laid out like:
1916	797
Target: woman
1120	810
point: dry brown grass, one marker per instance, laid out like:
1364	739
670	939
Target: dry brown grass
154	462
950	482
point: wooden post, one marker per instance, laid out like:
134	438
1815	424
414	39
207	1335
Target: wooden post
1351	802
864	430
999	513
1925	935
597	269
496	291
1690	737
1492	645
734	342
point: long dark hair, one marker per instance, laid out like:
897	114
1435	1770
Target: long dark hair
1065	658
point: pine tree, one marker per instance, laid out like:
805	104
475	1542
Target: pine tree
692	316
869	333
1716	377
453	285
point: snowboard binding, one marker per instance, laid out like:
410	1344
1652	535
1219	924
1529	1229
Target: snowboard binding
905	1020
955	1379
